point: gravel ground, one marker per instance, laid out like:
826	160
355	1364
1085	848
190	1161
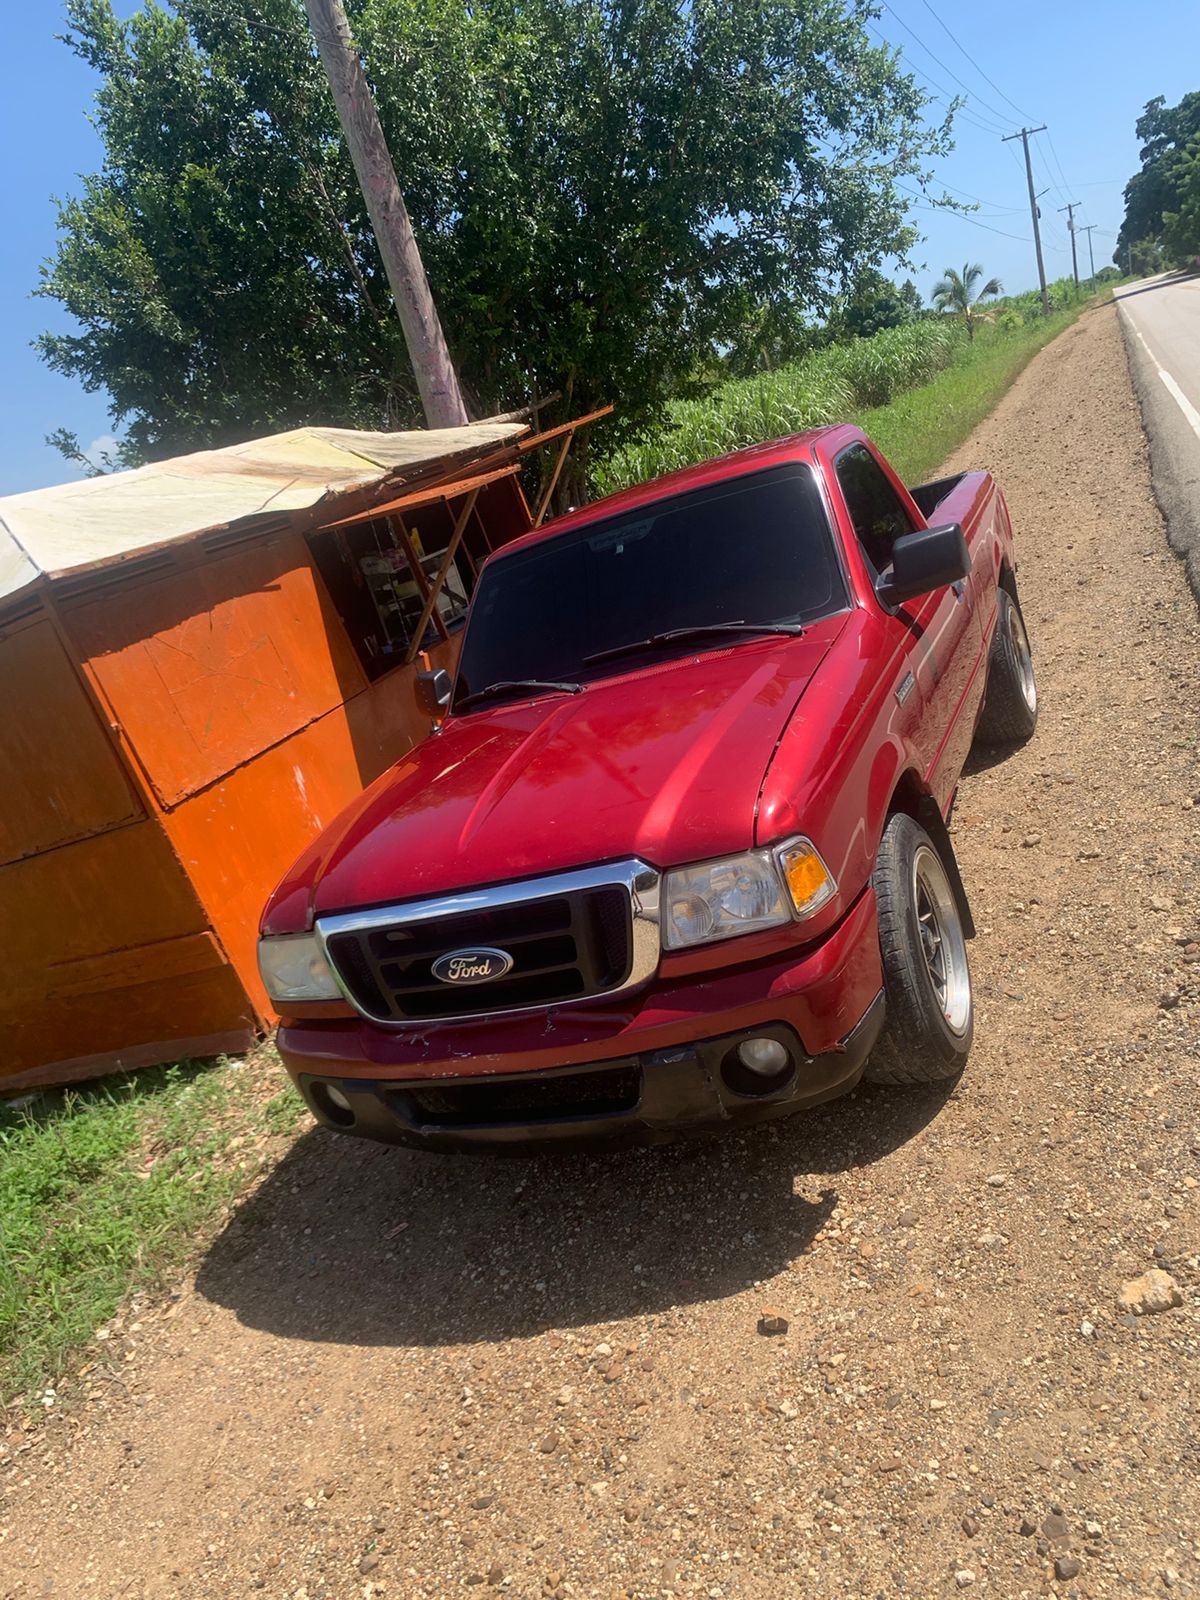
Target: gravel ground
402	1375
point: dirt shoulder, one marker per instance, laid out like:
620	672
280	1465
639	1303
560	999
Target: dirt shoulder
401	1375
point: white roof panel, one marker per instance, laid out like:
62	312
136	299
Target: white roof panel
98	520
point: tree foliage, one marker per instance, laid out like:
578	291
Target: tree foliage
1181	220
606	193
1162	201
873	304
956	292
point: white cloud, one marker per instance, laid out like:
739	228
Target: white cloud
103	444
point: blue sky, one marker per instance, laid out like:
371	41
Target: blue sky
1086	70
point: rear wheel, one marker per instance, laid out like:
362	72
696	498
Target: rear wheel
930	1009
1010	705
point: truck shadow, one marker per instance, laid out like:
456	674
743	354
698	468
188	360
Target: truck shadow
355	1243
983	757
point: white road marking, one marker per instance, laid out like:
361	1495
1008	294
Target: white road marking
1172	388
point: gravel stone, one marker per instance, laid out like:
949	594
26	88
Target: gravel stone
1054	1527
772	1322
1153	1292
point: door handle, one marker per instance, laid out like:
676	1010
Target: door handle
959	589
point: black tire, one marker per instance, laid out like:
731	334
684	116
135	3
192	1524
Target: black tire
922	1041
1010	705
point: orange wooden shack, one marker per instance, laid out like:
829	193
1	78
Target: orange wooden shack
202	662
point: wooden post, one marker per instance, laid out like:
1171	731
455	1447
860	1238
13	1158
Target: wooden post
1033	210
544	503
418	571
436	378
460	527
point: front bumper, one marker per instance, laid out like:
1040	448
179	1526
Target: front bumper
650	1099
645	1066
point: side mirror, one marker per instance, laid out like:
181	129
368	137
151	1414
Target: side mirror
434	690
924	561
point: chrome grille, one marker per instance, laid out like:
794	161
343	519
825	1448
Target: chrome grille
570	937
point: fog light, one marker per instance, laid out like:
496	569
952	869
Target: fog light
764	1056
338	1098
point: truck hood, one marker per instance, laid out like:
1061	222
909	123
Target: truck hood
665	763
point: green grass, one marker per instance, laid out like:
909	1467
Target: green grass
919	429
918	390
104	1190
824	387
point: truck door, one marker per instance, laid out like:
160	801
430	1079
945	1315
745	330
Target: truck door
937	632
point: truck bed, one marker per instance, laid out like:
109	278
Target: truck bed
930	495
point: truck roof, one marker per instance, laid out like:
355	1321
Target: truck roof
750	458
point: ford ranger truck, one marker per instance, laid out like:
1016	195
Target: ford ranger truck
675	856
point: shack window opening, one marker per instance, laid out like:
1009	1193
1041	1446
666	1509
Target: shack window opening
381	572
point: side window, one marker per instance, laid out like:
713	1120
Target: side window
876	510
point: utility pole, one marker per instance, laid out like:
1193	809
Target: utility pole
1091	257
1033	208
437	381
1069	208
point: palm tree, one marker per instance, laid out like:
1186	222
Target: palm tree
956	292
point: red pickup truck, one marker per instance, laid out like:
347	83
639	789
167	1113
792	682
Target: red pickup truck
675	855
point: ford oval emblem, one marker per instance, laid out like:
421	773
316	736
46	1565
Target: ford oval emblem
472	966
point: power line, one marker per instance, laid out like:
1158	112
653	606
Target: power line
947	97
1016	161
995	206
1059	184
957	103
952	211
1058	164
990	109
1021	238
955	40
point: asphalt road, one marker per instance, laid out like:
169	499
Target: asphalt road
1160	318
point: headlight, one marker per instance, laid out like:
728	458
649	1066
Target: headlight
293	968
743	894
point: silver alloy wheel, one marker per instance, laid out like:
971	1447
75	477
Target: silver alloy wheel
943	944
1023	655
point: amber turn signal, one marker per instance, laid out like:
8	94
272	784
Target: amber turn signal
810	882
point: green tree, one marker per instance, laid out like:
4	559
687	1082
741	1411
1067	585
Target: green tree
1161	188
956	293
767	337
1181	223
873	304
913	303
600	190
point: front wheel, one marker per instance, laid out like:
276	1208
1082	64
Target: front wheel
930	1010
1010	704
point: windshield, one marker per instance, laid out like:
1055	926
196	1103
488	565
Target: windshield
753	549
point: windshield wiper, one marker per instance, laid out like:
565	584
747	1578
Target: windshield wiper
699	630
537	685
